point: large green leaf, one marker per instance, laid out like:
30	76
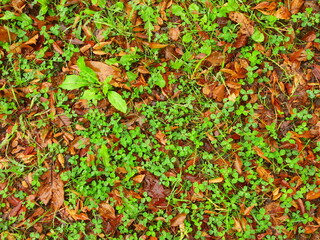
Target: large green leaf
74	82
117	101
85	72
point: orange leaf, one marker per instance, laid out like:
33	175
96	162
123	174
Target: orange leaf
216	180
161	137
218	92
313	194
178	220
260	153
5	35
283	13
155	45
264	174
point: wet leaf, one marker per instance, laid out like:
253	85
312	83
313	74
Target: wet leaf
6	35
117	101
72	82
51	189
178	220
312	195
246	24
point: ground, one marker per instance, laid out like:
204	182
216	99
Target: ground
159	119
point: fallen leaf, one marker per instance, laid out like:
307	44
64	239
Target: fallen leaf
246	24
161	137
51	188
104	70
6	35
174	33
106	211
216	180
152	186
260	153
178	220
283	13
153	45
218	93
215	58
295	6
312	195
264	174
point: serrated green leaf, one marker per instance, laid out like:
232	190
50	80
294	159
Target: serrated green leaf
117	101
72	82
86	72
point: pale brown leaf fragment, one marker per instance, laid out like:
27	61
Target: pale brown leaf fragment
174	33
51	189
246	25
178	220
104	70
264	174
154	45
260	153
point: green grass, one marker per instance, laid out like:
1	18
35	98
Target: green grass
202	132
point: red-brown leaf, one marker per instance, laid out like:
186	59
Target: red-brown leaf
51	189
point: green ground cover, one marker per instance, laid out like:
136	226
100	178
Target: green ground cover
159	119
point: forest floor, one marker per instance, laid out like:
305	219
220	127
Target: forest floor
159	119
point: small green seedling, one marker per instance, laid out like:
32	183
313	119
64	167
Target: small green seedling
97	90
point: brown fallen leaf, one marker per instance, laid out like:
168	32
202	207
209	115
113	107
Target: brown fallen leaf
264	174
246	24
104	70
153	45
161	137
312	195
6	35
283	13
106	211
51	189
295	6
174	33
260	153
178	220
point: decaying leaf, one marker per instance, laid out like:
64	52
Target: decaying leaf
51	189
246	24
178	219
6	35
106	211
104	70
